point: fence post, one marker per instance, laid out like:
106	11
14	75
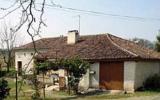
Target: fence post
16	86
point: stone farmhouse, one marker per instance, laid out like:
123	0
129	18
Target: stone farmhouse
116	63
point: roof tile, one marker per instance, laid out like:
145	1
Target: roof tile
92	47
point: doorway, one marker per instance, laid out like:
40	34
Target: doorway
111	75
19	63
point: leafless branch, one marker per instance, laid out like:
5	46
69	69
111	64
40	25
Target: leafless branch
7	42
28	17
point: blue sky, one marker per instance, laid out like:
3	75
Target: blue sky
59	21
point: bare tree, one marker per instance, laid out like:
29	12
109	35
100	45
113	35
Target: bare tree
7	42
31	16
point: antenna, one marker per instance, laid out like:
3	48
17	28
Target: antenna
79	22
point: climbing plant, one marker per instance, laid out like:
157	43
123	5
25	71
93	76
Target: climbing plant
75	68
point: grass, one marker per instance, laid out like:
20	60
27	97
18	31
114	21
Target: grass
27	91
102	95
23	94
118	96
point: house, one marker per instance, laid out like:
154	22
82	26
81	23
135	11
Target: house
116	63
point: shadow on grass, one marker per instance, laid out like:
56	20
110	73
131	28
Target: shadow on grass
81	96
148	90
105	95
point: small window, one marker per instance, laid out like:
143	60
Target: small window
31	54
24	54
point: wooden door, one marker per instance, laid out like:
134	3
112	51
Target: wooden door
111	75
19	68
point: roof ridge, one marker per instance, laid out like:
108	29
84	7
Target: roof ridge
115	44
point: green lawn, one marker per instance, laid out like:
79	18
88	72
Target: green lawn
104	95
26	92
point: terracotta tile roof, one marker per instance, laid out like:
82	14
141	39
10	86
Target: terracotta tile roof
93	47
134	48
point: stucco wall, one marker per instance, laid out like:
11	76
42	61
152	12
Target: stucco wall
129	75
90	80
135	73
144	70
25	57
72	38
84	83
94	78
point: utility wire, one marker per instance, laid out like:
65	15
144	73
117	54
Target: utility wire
53	5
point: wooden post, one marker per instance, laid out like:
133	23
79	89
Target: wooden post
68	79
43	88
0	70
16	87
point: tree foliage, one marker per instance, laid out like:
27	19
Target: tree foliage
157	45
144	43
4	89
152	83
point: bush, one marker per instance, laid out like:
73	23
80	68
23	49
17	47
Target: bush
11	74
2	73
35	96
4	90
152	83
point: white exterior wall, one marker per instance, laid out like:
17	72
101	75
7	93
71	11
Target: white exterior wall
84	83
144	70
129	75
94	78
25	57
61	72
135	73
90	80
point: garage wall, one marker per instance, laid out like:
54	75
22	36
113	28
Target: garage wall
129	75
135	73
144	70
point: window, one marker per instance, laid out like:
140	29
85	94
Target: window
24	54
31	54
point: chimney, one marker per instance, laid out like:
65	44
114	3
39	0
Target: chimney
73	36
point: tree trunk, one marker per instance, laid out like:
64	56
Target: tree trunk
43	88
9	61
7	67
68	79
